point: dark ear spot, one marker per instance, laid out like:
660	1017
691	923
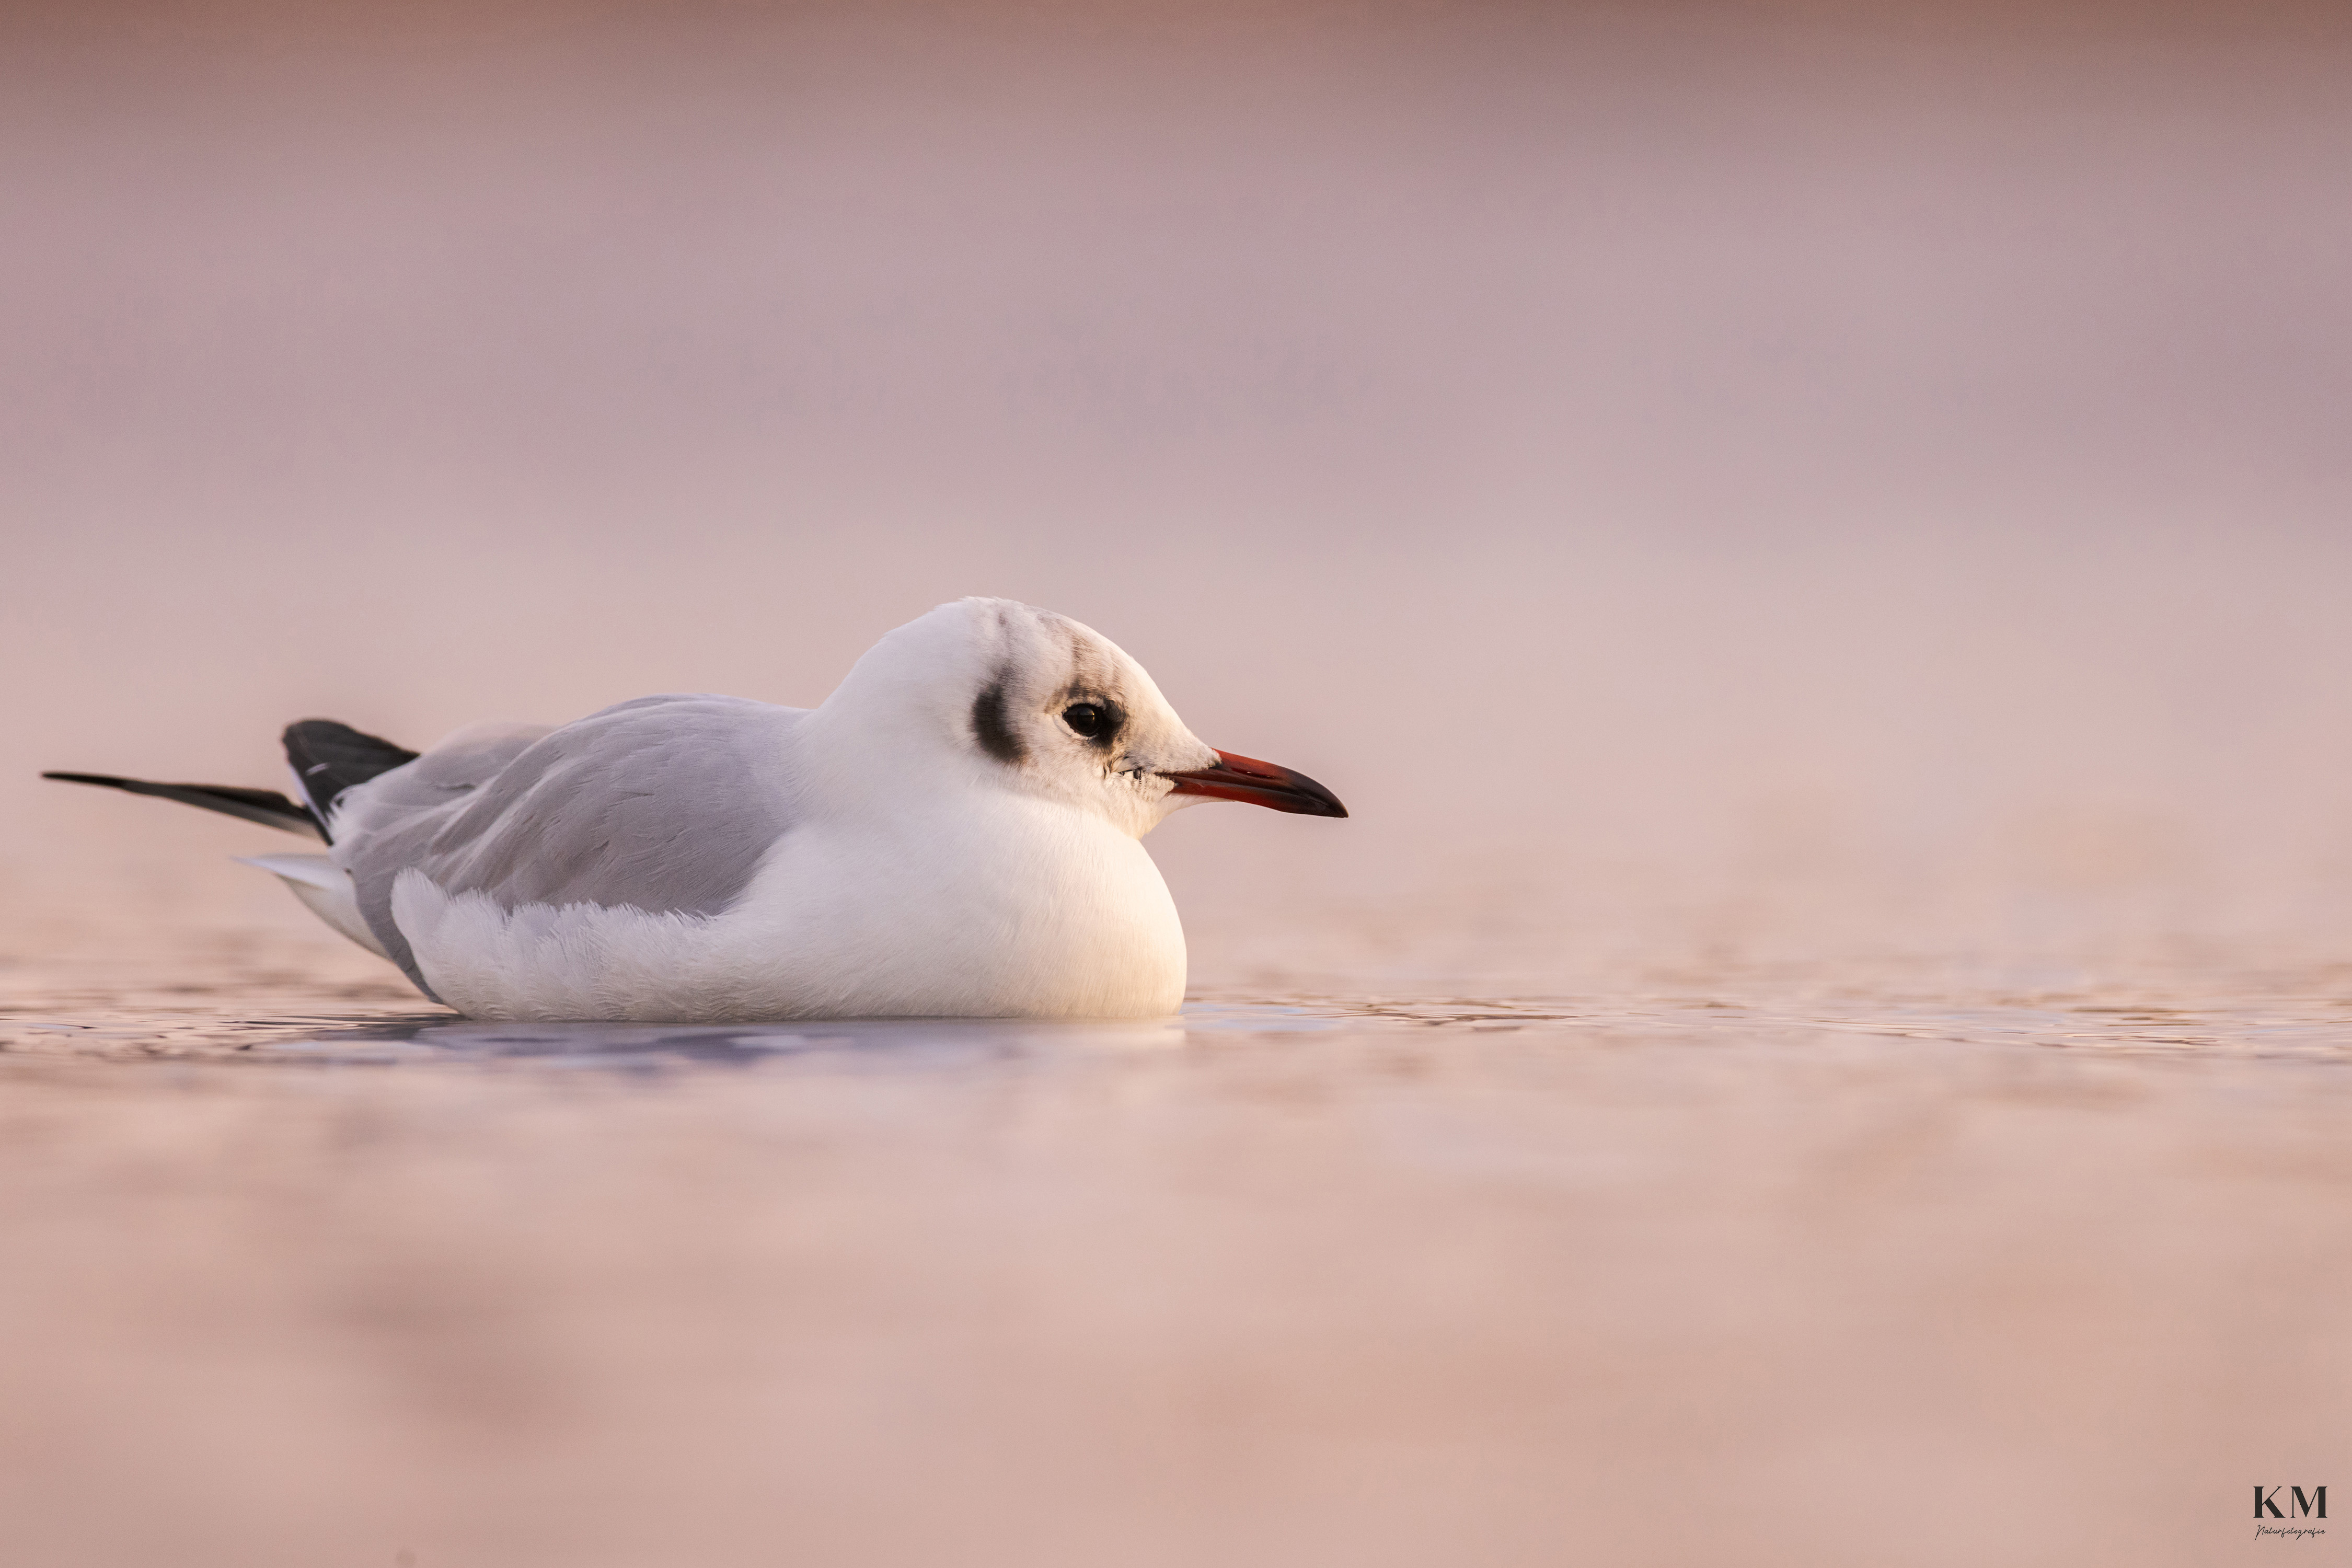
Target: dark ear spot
988	726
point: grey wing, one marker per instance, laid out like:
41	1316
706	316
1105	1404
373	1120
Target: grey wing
665	804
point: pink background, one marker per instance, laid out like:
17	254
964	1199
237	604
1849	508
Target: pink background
1750	479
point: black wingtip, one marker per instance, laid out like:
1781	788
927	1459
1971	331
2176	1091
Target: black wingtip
329	757
266	806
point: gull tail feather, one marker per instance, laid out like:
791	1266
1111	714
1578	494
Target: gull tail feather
326	889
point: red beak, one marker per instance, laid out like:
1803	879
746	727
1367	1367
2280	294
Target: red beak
1259	783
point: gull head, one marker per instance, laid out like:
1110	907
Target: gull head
995	694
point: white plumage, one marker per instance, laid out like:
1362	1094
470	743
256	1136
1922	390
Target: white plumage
955	831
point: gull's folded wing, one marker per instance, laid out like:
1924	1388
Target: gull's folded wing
665	804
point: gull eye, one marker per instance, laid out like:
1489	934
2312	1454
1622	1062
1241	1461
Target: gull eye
1090	721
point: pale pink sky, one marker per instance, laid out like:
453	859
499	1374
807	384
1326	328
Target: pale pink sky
1625	443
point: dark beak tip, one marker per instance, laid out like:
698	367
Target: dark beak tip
1314	800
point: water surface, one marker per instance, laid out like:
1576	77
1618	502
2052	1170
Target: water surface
315	1274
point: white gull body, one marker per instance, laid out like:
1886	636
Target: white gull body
955	831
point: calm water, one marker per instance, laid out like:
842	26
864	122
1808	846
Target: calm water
302	1272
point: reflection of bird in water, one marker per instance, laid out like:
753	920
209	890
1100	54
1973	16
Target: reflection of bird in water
953	832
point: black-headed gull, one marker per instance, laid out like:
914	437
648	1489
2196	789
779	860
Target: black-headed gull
954	832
